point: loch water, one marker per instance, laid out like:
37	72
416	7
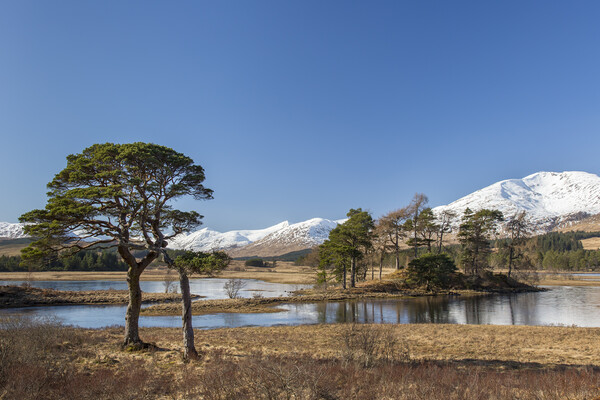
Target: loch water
559	305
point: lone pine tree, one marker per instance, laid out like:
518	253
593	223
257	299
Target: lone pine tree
118	195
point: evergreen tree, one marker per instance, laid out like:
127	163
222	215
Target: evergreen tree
333	255
474	236
416	206
518	229
118	195
431	270
348	242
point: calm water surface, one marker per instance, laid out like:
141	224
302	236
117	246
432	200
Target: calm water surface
563	305
210	288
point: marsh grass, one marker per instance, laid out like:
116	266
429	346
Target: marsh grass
41	359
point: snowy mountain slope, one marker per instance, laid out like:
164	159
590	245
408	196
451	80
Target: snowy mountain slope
549	198
11	230
294	237
207	240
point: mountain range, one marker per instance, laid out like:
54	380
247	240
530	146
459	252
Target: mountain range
552	200
275	240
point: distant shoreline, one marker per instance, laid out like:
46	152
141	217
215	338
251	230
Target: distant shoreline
285	273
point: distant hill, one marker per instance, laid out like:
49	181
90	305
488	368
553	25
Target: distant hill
12	247
588	224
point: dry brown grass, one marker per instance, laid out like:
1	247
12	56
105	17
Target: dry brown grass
489	344
591	243
285	272
566	279
7	248
306	362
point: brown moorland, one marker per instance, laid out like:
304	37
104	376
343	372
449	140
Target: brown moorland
47	361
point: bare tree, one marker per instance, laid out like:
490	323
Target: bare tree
445	218
169	281
382	244
391	228
233	286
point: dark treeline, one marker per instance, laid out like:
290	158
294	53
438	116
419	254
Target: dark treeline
88	260
577	260
558	251
567	241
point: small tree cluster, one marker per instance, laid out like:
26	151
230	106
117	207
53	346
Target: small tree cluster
434	271
346	246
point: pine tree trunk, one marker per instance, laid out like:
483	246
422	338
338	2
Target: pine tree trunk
396	245
344	278
353	273
132	314
189	349
380	266
510	261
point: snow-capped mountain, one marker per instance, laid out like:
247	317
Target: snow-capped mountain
207	240
550	199
294	237
10	230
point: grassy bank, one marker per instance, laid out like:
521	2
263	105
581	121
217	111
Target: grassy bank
22	296
264	304
285	272
49	361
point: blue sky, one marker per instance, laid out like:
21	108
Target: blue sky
299	109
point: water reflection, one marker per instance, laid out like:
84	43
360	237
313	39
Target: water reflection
558	306
210	288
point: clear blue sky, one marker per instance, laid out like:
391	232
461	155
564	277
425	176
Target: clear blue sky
299	109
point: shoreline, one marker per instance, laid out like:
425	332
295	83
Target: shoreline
285	273
269	304
20	296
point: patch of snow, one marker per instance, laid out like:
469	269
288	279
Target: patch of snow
548	198
307	233
208	240
10	230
